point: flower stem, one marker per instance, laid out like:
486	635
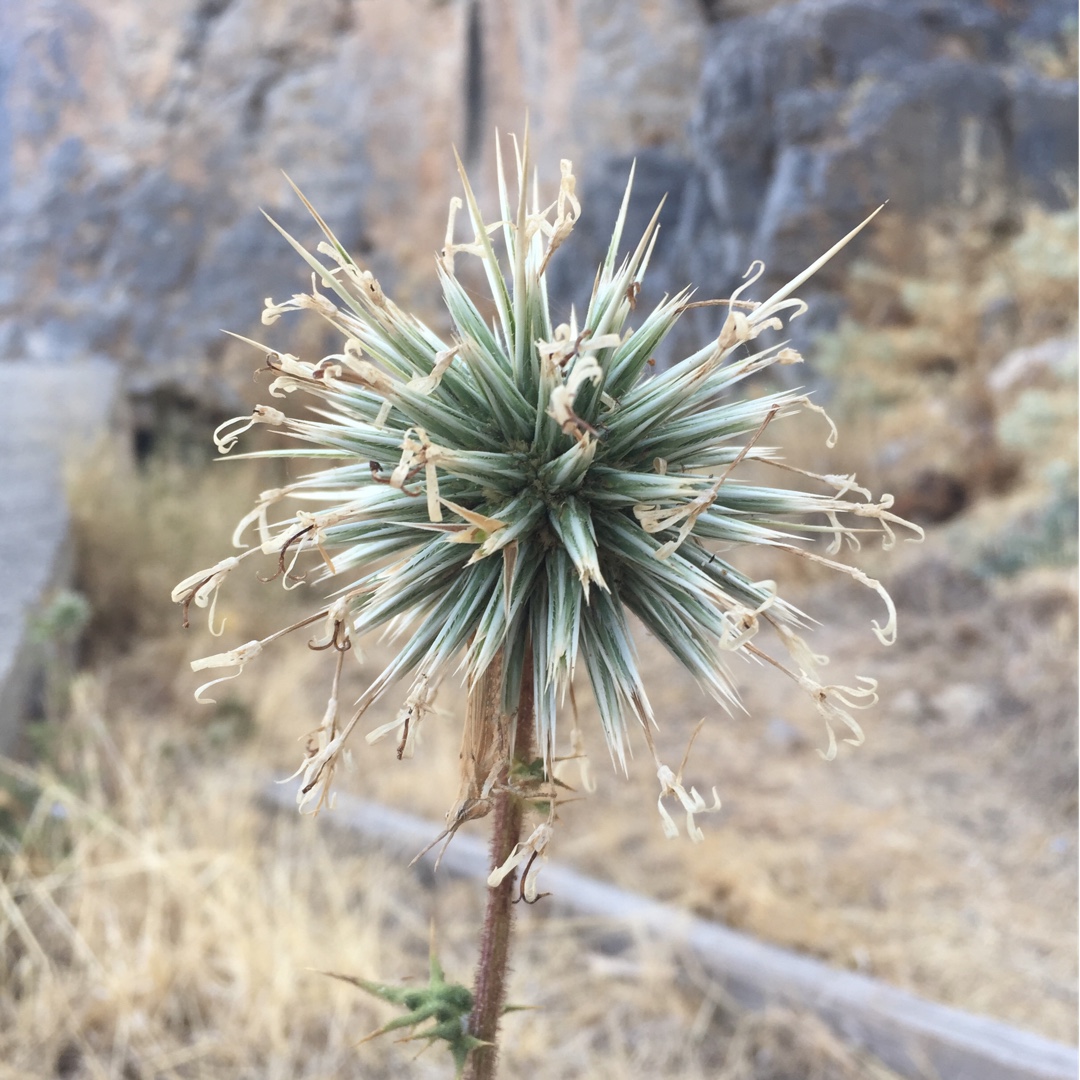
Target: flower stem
489	993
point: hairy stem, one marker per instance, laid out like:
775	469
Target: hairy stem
508	815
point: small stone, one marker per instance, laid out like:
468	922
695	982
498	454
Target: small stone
784	736
963	703
908	704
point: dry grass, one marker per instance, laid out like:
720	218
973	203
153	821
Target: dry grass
940	856
157	926
154	922
910	364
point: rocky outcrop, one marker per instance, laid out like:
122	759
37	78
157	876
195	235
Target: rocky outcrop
138	140
813	113
142	145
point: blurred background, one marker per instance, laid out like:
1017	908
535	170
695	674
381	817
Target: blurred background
154	920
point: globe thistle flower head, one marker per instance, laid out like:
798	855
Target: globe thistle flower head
501	499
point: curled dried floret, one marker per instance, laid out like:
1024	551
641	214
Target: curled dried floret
532	852
226	436
834	704
691	802
236	658
201	589
322	752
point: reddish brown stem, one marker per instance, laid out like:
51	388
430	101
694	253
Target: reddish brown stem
489	992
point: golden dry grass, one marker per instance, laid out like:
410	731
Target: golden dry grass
940	856
910	363
924	857
155	922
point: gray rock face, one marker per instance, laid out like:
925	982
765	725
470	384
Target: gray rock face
50	416
812	114
137	142
136	148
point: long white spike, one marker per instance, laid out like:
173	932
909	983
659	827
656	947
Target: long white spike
763	310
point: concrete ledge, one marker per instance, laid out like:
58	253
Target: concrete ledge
49	414
911	1035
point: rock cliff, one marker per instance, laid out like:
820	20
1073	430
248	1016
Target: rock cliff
138	140
810	114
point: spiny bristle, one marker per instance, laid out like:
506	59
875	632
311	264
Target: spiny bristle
524	482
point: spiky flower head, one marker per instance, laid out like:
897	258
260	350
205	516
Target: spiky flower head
504	496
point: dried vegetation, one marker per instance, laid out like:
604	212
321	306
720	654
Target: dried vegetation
154	922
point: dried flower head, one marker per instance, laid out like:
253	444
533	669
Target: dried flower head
509	495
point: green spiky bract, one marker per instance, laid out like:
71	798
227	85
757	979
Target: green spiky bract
446	1005
516	489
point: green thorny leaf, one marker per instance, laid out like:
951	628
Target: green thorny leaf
446	1005
517	481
